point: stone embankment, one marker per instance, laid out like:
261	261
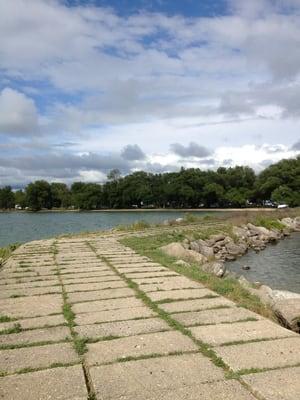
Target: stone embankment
212	253
88	318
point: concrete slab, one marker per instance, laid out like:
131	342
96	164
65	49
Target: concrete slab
110	304
140	265
224	390
93	274
57	384
215	316
282	384
152	274
113	315
6	294
180	294
138	379
32	306
139	269
94	286
97	279
197	304
172	283
136	346
100	295
267	354
54	334
40	322
240	331
123	328
37	357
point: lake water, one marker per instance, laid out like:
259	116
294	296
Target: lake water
278	266
23	227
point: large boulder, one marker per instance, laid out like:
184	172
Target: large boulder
178	251
205	249
234	249
293	224
240	233
217	268
258	230
214	239
286	306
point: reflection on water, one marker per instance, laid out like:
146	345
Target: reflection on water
23	227
278	266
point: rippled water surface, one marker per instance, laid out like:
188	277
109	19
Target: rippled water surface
23	227
278	266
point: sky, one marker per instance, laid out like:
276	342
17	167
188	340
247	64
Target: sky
155	85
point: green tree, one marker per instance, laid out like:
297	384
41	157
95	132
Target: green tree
61	196
38	195
7	198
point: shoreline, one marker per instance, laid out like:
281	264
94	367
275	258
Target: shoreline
139	210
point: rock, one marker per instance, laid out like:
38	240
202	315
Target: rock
246	267
258	230
293	224
166	222
286	306
205	249
217	268
235	249
1	261
178	251
179	220
195	246
182	263
241	233
214	239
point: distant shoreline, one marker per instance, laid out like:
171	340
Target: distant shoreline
138	210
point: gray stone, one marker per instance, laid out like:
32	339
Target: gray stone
217	268
176	250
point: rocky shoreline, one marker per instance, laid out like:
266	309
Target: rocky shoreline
212	253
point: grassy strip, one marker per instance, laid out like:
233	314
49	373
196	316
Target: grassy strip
6	252
227	287
78	342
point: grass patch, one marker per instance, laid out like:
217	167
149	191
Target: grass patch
269	223
6	318
227	287
6	252
136	226
15	329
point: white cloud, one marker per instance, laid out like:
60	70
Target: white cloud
18	114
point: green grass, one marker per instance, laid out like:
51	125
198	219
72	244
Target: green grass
15	329
227	287
5	252
5	318
269	223
136	226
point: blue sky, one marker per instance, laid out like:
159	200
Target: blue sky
87	86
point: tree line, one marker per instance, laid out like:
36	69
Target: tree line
188	188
